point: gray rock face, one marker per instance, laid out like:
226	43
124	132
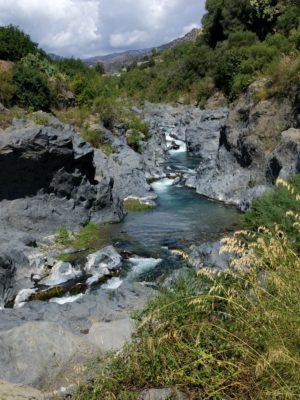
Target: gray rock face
104	262
286	157
97	306
47	181
252	152
61	272
36	352
25	153
241	151
204	133
111	336
207	255
128	169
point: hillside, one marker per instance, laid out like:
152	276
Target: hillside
114	62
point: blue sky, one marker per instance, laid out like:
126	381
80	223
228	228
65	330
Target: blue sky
84	28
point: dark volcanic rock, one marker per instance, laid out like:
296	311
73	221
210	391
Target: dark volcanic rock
130	170
47	181
252	151
30	158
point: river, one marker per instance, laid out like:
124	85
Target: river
181	218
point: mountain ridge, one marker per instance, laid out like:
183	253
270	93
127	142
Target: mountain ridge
115	61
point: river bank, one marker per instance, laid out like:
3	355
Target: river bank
88	185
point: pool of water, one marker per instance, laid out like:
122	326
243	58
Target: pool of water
181	218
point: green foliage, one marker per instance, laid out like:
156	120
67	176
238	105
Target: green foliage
106	148
133	140
92	136
15	44
89	238
74	115
132	204
272	207
136	123
230	335
40	63
205	89
73	67
40	119
32	88
62	237
108	109
7	88
284	75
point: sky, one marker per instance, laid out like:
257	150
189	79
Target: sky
85	28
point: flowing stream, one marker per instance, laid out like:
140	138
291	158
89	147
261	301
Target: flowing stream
181	218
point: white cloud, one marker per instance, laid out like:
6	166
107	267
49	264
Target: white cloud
127	38
94	27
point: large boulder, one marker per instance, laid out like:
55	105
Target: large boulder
104	263
61	272
112	335
37	352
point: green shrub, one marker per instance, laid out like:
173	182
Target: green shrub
205	89
92	136
77	116
63	237
108	109
32	88
40	119
136	123
284	75
133	140
106	148
7	88
271	208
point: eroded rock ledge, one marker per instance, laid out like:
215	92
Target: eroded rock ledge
48	180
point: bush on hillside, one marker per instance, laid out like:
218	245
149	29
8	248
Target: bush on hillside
7	88
15	44
32	89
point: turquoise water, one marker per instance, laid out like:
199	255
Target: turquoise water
181	218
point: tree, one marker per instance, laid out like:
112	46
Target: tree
100	68
15	44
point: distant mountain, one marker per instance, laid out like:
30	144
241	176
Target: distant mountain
115	61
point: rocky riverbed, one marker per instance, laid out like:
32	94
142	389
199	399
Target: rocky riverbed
52	178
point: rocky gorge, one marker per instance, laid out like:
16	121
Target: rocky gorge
51	178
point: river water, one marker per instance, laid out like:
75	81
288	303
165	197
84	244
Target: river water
181	218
